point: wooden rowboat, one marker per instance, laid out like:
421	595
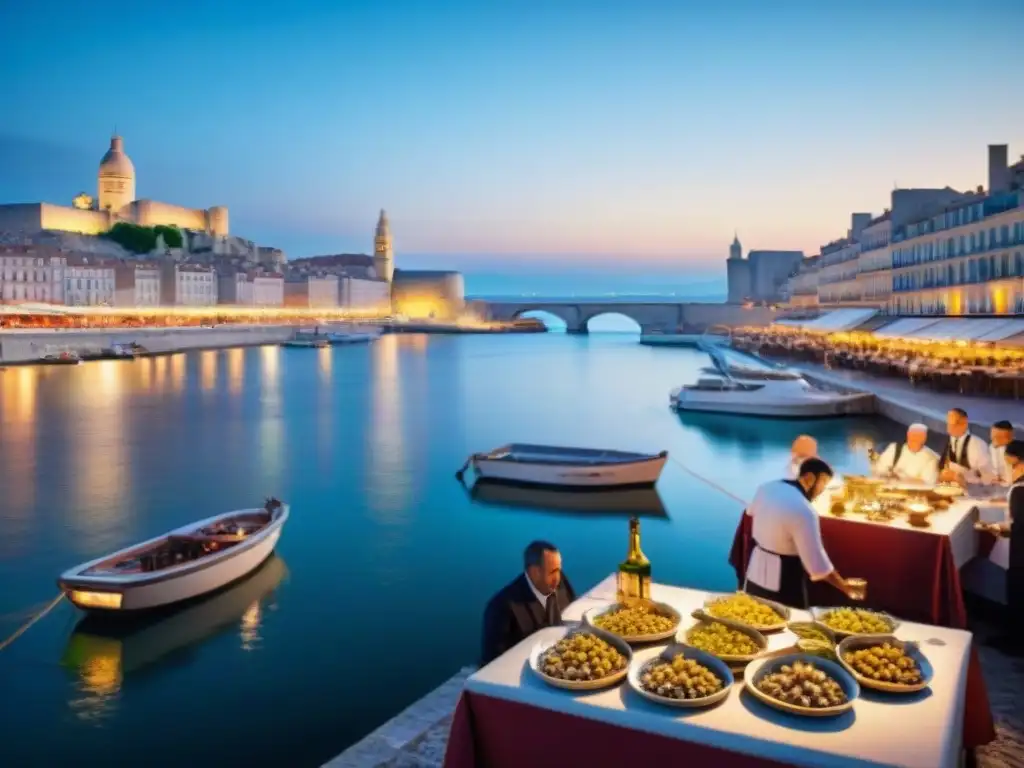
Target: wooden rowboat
543	465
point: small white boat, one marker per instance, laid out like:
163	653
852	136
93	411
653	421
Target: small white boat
307	343
745	385
364	336
185	563
566	467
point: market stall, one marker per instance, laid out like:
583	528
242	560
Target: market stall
508	716
913	573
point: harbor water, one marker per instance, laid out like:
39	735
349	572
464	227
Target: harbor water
376	593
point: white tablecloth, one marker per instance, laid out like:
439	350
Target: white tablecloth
957	523
920	731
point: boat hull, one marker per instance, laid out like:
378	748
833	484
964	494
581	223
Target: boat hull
634	474
174	585
671	339
840	405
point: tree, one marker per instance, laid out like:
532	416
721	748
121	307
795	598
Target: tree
172	235
138	239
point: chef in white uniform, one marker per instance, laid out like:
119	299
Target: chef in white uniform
788	552
910	460
966	457
1002	435
803	448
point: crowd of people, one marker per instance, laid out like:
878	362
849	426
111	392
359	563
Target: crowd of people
788	550
967	369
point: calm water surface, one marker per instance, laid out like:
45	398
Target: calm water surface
376	592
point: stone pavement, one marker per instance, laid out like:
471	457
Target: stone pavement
1003	675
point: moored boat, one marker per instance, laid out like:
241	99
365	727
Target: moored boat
307	343
545	465
657	338
641	502
185	563
60	357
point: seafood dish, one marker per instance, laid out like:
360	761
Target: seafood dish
682	677
734	644
583	660
762	615
644	622
886	664
802	684
855	621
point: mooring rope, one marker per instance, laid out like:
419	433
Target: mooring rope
709	482
24	627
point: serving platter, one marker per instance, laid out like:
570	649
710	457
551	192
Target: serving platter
539	649
913	650
820	613
780	609
758	669
948	491
590	616
716	665
704	620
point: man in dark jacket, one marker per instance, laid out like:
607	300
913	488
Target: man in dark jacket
535	599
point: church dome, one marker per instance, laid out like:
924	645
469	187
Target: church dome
115	162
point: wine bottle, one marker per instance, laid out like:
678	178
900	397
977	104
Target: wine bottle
634	578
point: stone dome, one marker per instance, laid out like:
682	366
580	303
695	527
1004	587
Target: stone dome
115	162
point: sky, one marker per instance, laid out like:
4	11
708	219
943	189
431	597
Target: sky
514	137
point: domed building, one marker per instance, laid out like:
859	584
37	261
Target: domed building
115	202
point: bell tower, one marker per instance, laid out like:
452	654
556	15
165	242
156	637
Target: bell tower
383	254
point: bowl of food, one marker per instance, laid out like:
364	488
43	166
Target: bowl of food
583	659
681	676
813	631
756	612
802	684
730	641
918	519
886	664
645	622
948	490
845	622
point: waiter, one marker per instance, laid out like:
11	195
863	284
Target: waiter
965	458
910	460
788	552
1001	434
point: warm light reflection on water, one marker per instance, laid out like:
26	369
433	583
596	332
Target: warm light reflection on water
387	479
250	626
100	673
236	370
325	363
271	448
208	370
18	434
177	365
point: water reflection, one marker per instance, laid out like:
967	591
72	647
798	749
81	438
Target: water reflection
643	502
208	370
236	370
18	391
387	477
177	366
271	448
101	653
325	361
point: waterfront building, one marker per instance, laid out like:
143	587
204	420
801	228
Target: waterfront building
428	294
89	282
31	274
188	285
383	252
115	202
761	276
251	289
370	296
137	284
312	292
801	290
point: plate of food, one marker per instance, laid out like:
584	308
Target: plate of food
681	676
583	659
802	684
844	622
758	613
730	641
886	664
645	622
948	490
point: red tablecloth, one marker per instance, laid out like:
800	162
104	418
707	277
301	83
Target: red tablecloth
495	733
911	575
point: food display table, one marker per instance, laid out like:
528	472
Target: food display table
912	573
509	717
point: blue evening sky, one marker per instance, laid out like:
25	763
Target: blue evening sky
512	136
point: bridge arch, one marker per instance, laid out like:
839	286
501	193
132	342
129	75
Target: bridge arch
553	321
611	321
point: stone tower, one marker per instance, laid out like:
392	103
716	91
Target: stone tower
736	250
116	179
383	254
738	273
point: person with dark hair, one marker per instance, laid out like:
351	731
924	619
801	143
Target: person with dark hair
788	551
1001	434
533	600
1012	642
965	458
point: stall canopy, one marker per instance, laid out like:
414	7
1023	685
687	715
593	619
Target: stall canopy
831	322
954	329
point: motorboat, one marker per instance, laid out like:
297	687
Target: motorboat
662	338
307	343
546	465
363	336
641	502
740	383
103	652
187	562
114	352
59	357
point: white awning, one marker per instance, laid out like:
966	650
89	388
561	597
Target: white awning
906	328
836	320
954	329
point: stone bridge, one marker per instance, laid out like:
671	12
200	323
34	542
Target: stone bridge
665	316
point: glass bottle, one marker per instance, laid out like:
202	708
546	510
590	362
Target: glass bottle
634	577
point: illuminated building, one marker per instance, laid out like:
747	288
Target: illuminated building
89	282
31	274
761	276
115	202
427	295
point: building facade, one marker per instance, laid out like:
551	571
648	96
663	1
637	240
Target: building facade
761	276
312	292
188	285
383	249
365	296
89	283
137	285
30	274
